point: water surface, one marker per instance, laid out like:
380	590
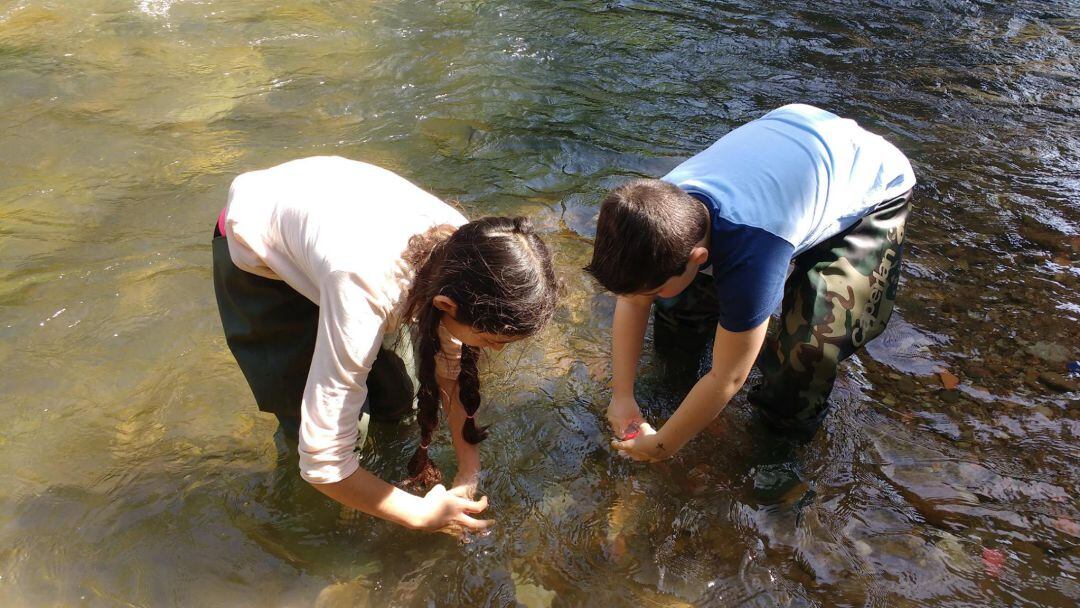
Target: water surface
136	470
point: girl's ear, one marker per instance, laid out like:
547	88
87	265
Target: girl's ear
445	304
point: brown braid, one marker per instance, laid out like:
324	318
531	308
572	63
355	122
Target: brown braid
469	391
423	472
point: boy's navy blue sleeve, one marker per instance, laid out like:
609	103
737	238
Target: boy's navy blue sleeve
749	266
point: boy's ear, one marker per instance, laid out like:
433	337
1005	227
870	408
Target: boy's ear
698	255
445	304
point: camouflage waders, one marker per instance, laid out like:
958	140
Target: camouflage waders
838	297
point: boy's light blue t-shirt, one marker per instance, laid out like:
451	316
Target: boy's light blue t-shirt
776	187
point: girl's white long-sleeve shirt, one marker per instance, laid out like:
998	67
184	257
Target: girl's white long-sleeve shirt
335	230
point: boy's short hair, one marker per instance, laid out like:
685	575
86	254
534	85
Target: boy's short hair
644	235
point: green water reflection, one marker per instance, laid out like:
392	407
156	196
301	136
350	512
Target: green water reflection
137	471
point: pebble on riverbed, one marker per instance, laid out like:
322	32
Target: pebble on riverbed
1068	526
948	379
1048	351
1059	382
531	595
907	386
344	594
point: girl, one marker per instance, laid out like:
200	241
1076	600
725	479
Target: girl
316	263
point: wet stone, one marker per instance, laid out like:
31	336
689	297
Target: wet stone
531	595
907	386
1068	526
955	553
698	479
1023	546
341	595
1046	238
948	380
1049	351
954	306
1058	382
776	483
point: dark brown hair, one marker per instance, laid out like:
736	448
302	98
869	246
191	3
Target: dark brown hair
500	274
644	235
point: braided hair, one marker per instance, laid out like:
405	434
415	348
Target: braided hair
499	273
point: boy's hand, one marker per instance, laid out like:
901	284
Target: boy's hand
623	412
645	447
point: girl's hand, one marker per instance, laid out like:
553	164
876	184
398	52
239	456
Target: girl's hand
623	412
644	447
446	511
465	485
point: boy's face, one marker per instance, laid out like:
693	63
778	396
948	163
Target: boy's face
676	284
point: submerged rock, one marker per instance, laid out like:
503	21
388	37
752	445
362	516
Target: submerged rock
954	553
1059	382
1068	526
948	380
450	135
907	386
1049	351
531	595
344	595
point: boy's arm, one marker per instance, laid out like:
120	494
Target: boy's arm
468	455
733	356
627	335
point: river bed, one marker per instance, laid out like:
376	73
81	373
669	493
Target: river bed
137	471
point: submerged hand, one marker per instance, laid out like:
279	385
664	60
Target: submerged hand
644	447
465	485
623	412
450	512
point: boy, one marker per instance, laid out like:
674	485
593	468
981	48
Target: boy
799	186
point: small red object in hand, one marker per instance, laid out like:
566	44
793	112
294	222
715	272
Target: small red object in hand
631	431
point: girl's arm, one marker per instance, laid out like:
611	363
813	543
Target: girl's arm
350	334
437	510
468	455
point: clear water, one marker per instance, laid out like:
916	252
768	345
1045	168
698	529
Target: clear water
136	470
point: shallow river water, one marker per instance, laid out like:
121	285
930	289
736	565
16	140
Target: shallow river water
136	471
